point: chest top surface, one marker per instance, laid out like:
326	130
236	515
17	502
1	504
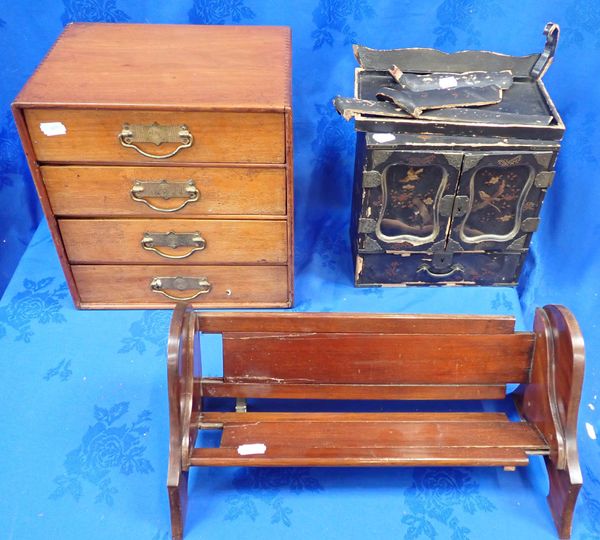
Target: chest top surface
165	66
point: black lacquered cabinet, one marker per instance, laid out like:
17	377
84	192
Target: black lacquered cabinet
454	195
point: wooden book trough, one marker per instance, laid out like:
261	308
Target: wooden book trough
378	357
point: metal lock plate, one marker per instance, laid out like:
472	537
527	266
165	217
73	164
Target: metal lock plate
454	205
442	261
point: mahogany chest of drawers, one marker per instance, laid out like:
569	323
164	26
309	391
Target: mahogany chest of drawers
162	155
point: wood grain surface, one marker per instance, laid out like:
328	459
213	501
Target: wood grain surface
377	358
129	286
106	191
111	241
164	66
219	137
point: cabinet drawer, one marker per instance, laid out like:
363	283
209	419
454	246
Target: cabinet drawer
131	286
423	269
132	191
78	135
209	241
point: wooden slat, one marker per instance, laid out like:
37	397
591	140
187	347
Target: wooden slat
348	457
399	434
377	358
354	322
212	387
340	417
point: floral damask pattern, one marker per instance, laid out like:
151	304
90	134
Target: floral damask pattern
434	496
105	448
583	20
12	159
258	487
591	506
458	21
93	11
219	12
38	302
152	329
62	371
501	301
331	19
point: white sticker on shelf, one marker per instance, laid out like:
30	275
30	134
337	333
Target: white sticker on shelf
251	449
51	129
448	82
383	137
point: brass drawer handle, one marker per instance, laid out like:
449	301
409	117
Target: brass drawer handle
155	134
453	269
165	190
151	242
163	284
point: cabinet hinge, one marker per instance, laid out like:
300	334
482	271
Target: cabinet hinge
544	179
371	179
530	224
366	225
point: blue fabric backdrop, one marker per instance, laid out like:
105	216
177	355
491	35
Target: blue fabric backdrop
98	459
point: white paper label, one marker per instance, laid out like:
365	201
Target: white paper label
250	449
590	431
448	82
50	129
383	137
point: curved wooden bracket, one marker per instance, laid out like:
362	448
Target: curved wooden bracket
180	377
551	402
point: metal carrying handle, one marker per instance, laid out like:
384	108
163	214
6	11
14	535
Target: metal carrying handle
166	191
453	269
173	240
155	134
162	284
552	33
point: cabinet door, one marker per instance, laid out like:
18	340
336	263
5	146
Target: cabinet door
498	200
407	200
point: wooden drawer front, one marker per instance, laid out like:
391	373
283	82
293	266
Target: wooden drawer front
107	191
218	137
106	241
129	286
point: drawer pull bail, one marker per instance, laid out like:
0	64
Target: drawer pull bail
453	269
151	241
157	135
165	190
163	284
